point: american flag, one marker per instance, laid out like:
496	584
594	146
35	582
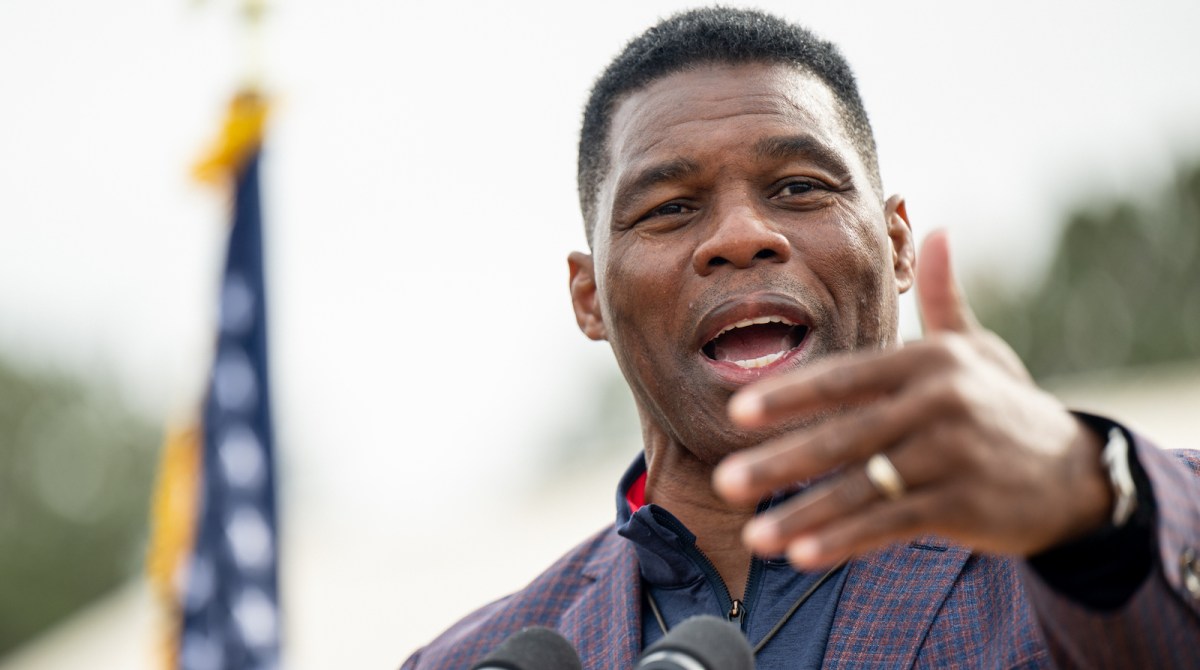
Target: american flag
230	598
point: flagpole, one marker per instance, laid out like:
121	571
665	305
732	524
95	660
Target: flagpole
253	60
213	556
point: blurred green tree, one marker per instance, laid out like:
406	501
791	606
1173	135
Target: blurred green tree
76	469
1123	287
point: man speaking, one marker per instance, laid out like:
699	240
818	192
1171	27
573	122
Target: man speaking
846	500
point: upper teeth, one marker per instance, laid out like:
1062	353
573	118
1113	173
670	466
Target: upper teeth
753	322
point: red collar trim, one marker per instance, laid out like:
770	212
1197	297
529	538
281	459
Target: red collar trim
636	495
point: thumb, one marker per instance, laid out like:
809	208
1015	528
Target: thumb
942	305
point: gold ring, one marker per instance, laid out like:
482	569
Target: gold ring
884	477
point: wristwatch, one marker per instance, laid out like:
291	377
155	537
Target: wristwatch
1115	458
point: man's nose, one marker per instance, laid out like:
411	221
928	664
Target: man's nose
740	237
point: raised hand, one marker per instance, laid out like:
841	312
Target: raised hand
947	435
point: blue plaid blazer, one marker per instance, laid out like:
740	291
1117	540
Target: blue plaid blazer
923	605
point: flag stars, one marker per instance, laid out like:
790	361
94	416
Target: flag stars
234	385
200	652
256	618
201	581
249	539
230	617
243	463
237	305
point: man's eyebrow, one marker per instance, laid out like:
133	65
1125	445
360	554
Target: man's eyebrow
803	147
653	175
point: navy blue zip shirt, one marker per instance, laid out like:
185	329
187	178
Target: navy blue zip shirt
684	584
1100	571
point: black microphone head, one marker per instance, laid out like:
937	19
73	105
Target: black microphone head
706	642
533	648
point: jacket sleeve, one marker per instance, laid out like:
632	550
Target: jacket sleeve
1159	626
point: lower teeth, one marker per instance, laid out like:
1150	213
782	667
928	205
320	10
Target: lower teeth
760	361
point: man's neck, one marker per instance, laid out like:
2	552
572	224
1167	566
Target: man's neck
683	486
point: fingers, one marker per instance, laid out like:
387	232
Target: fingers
942	305
859	533
830	384
771	533
934	407
841	497
848	438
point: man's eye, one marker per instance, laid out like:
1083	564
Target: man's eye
666	210
797	188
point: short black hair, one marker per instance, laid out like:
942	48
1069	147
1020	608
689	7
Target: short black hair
712	35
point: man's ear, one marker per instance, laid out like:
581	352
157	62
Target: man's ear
904	258
584	298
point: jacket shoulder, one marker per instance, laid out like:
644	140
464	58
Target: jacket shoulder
540	603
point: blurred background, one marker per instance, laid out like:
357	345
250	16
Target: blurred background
437	412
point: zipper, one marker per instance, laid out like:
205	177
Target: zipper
740	609
735	610
753	575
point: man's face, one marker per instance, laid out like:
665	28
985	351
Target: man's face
738	235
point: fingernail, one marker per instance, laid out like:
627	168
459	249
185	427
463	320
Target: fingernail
745	407
759	532
804	551
731	477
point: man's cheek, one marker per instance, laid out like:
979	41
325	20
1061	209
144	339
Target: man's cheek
876	308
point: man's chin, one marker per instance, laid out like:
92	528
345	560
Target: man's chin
730	439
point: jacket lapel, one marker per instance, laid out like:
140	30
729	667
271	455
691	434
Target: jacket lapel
889	601
605	621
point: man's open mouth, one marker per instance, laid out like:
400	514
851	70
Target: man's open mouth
755	343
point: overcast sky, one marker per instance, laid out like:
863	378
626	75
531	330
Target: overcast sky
420	195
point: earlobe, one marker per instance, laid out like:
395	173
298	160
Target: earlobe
899	231
584	296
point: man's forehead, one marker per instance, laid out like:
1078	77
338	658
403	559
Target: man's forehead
678	105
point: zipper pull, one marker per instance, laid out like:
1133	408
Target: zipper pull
737	611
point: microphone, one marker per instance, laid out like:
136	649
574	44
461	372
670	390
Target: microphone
533	648
700	643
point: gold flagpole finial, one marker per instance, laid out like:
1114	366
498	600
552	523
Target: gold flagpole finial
241	135
242	131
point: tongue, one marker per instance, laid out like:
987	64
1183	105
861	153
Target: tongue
751	342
